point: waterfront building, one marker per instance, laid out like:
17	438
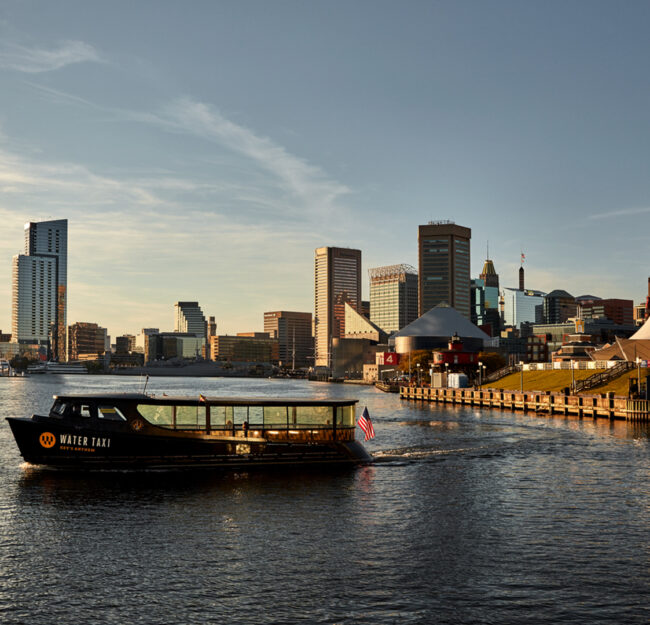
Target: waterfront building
434	329
620	311
86	341
39	287
602	329
169	345
444	266
293	330
359	327
189	318
257	348
393	296
141	339
521	306
337	282
125	344
559	306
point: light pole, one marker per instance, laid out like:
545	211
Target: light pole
638	378
521	375
480	377
419	379
573	381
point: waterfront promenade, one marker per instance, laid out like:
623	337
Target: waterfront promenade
605	406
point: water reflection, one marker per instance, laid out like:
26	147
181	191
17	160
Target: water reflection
467	516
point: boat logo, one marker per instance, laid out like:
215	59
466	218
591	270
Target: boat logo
47	440
137	424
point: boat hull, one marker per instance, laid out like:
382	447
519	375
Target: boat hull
50	443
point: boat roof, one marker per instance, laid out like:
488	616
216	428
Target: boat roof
208	400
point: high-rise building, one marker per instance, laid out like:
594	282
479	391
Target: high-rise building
189	318
40	279
337	281
521	306
559	306
444	266
393	296
485	300
293	331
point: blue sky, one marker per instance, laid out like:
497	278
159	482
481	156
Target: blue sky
202	150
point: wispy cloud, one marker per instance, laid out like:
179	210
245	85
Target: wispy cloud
34	60
625	212
306	182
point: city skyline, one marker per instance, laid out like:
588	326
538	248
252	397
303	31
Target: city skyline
208	167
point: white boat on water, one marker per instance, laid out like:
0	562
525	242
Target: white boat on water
56	367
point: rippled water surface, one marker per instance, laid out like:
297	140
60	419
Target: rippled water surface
467	516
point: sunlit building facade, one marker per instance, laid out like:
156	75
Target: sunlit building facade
393	296
337	282
39	287
189	318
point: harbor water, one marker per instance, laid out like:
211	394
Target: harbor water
467	516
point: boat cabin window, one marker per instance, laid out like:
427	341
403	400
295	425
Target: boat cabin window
158	415
81	410
59	407
275	416
345	416
182	417
221	416
110	413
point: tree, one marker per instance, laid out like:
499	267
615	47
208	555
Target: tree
419	356
492	361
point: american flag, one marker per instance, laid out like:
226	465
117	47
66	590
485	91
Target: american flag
365	424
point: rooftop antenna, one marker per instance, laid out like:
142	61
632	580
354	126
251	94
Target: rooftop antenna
488	250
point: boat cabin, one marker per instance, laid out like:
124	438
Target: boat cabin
253	418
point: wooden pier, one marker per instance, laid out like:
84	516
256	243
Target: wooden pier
605	406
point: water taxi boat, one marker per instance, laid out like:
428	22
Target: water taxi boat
138	431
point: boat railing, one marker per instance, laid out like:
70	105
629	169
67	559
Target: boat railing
271	432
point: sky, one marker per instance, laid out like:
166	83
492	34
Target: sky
203	150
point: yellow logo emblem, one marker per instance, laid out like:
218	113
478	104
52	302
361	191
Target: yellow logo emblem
47	440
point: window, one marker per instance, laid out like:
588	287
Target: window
110	413
81	410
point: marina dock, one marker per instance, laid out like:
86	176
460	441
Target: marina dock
606	406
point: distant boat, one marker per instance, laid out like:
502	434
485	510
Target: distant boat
56	367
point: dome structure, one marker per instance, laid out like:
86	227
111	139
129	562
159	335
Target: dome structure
434	329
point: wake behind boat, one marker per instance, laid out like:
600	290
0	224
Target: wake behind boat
140	431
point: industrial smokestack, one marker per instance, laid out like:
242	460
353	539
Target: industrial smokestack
521	279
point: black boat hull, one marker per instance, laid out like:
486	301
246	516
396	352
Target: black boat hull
50	443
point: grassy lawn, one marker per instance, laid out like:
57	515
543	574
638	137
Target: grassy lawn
540	380
559	379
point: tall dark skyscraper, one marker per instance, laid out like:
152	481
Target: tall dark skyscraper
444	266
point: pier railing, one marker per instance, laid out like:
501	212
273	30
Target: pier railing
500	373
602	377
542	402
